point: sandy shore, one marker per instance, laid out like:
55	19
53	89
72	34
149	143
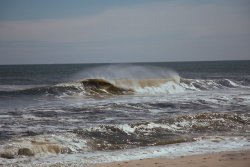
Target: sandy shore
223	159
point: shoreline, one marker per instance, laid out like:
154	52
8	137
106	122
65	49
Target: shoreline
222	159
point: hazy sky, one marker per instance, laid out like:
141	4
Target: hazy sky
94	31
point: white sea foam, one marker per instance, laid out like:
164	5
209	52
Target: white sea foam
168	87
149	126
200	146
232	83
42	145
189	86
30	117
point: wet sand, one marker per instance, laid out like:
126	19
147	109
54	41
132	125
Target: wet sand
223	159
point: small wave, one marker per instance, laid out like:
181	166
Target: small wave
180	129
47	90
208	84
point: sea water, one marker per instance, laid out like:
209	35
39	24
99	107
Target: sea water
92	113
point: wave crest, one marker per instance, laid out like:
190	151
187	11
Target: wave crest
98	86
208	84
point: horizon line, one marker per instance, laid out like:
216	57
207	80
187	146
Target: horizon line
136	62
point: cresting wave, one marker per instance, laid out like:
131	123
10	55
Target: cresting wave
127	80
98	86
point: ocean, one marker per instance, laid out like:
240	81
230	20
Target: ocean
79	114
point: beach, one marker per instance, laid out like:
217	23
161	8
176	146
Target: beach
222	159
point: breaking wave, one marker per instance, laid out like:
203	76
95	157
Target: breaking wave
98	86
129	79
84	87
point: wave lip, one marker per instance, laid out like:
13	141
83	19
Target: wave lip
101	86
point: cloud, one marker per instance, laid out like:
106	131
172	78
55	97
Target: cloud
134	22
135	28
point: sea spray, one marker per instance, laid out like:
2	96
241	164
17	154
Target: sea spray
127	72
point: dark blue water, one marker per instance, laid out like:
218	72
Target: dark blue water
56	73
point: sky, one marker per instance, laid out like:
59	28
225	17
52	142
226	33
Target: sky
117	31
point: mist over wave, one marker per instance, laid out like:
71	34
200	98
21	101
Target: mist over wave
128	79
127	72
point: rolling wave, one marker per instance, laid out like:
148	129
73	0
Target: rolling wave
208	84
96	86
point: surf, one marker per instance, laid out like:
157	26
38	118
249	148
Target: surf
126	80
135	79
